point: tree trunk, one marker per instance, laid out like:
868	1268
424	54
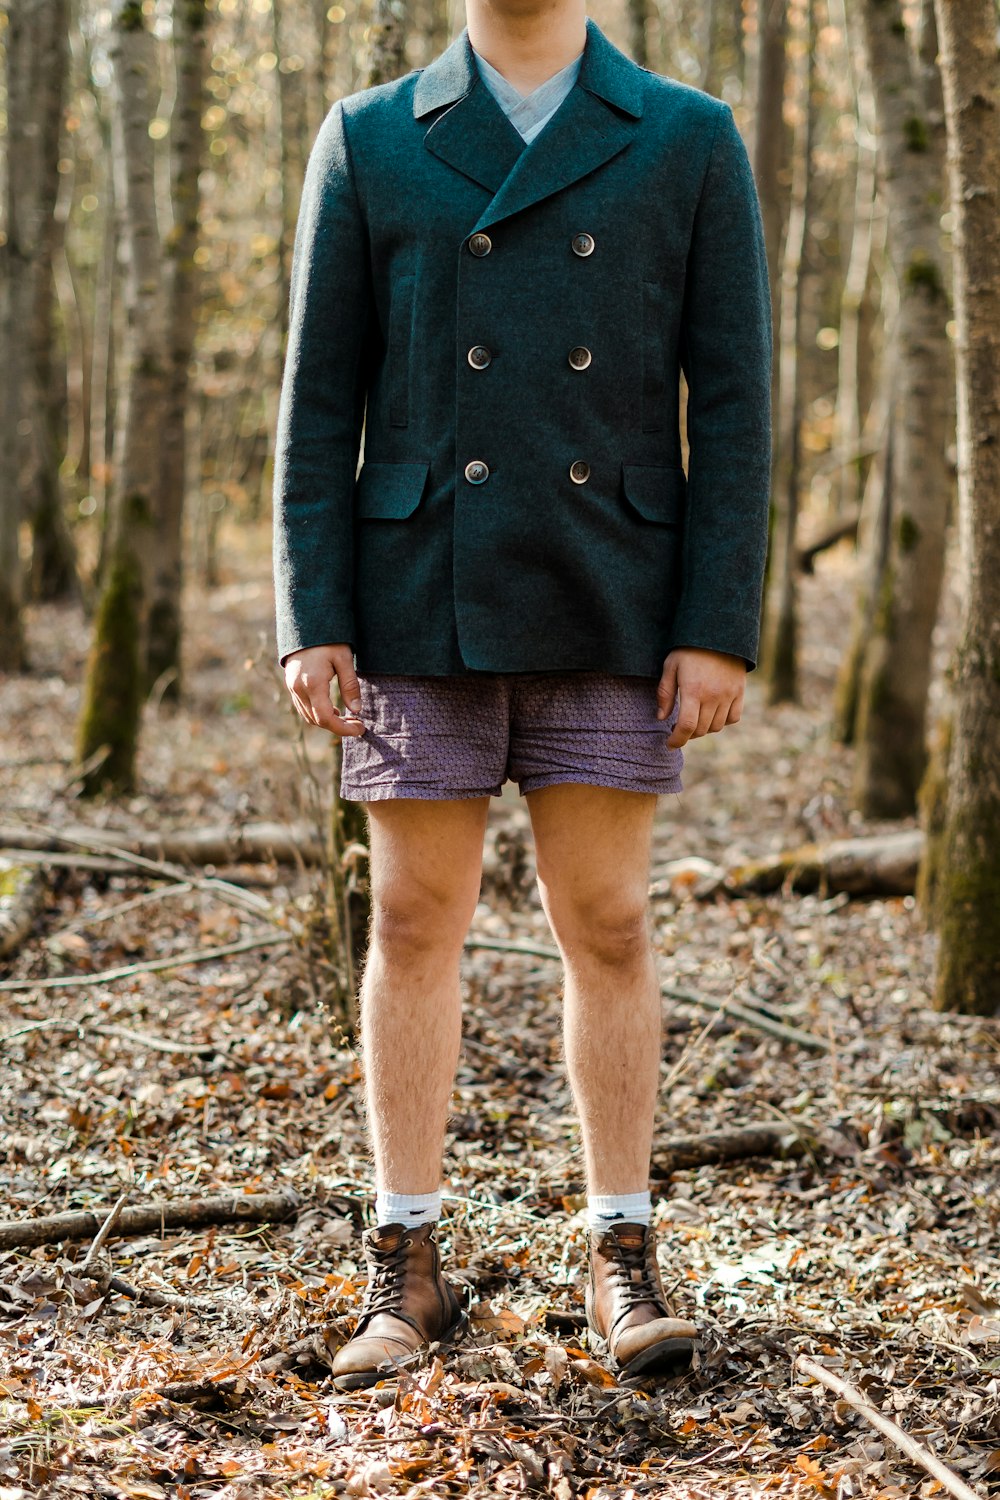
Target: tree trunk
53	555
109	722
770	149
968	870
873	547
780	643
850	413
163	651
893	696
387	41
638	18
22	129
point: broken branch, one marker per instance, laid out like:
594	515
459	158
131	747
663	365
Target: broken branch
907	1444
153	1218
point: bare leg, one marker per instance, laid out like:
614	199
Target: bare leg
593	853
426	867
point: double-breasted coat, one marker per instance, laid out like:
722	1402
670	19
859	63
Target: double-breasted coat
504	326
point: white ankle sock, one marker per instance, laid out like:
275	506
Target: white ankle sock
407	1208
608	1208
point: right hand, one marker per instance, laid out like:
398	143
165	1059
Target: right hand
309	677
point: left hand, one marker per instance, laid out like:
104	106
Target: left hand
711	685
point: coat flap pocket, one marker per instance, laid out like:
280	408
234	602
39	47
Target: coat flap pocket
389	492
656	491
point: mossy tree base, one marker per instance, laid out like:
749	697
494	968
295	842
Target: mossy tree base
13	654
114	690
967	907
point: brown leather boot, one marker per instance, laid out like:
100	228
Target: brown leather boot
407	1305
626	1307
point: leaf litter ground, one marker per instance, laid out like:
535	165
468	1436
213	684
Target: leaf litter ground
872	1246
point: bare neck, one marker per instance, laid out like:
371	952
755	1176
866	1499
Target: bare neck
527	40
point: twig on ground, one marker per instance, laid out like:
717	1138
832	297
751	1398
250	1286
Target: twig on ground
104	1233
946	1477
148	965
750	1017
90	919
153	1218
744	1013
120	1033
232	894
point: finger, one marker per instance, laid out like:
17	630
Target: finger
327	717
302	705
720	718
706	713
347	678
687	723
666	690
735	711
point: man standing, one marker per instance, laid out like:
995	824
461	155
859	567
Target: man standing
503	262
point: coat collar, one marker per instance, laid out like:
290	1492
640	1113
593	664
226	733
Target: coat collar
476	138
604	70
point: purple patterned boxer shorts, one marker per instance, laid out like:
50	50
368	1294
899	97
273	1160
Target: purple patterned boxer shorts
464	736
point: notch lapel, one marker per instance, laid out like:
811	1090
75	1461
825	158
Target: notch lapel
475	136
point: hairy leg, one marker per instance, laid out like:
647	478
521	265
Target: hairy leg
426	866
593	852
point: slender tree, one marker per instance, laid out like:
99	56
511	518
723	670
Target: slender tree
53	554
163	647
390	25
967	886
892	701
116	675
781	625
770	149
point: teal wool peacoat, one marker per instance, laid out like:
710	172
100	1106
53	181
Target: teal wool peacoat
502	327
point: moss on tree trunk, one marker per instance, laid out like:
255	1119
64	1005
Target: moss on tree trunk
113	692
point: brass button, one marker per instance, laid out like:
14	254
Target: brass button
481	244
583	244
579	471
479	356
476	472
580	357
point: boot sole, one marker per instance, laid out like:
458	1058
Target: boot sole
668	1357
359	1380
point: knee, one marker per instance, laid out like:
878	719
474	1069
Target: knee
407	925
612	933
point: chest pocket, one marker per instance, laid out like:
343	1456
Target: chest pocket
400	343
654	384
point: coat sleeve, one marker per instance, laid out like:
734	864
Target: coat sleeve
321	404
725	353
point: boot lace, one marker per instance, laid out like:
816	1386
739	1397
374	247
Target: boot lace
384	1292
632	1275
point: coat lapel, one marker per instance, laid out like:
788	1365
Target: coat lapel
476	137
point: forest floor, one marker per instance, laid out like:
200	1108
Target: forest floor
869	1245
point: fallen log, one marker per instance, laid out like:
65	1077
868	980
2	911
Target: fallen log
883	865
152	1218
682	1152
22	896
253	843
51	859
946	1478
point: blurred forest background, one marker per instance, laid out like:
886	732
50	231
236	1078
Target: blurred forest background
182	897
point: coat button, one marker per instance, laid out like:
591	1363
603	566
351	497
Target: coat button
580	357
579	471
476	472
583	244
479	356
481	244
